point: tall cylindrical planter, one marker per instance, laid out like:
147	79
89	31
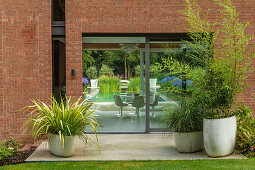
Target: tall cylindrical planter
219	136
153	82
187	142
94	83
56	147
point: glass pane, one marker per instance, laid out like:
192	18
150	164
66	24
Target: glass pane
59	68
58	10
161	79
112	80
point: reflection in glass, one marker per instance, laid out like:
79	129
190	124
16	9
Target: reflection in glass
168	61
111	80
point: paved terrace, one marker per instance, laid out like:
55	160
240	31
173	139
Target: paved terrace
125	147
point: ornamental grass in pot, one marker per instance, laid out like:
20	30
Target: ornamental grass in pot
63	122
186	123
226	68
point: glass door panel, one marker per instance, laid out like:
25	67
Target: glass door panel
161	79
113	79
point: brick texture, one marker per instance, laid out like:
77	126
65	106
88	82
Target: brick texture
135	16
25	61
25	44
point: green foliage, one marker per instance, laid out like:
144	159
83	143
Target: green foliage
67	118
6	151
12	143
91	72
245	139
227	71
137	71
174	67
87	60
109	84
134	85
105	70
184	117
202	164
121	62
154	71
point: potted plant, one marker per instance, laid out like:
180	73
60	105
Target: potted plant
63	122
186	123
226	66
153	76
219	124
92	75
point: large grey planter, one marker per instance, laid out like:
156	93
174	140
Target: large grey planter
219	136
56	147
189	141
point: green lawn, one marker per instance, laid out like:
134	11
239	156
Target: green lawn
196	164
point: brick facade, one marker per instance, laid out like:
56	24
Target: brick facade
25	48
135	16
25	60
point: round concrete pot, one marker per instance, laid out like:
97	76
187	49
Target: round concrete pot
187	142
93	83
219	136
56	147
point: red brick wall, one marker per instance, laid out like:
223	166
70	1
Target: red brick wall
25	60
1	70
25	44
134	16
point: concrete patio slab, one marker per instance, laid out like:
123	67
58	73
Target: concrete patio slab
125	147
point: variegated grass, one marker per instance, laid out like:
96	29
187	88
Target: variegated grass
67	118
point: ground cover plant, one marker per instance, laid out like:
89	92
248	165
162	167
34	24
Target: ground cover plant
9	147
6	151
245	141
10	152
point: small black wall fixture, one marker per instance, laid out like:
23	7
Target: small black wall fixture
73	72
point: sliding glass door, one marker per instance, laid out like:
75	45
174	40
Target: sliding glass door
125	78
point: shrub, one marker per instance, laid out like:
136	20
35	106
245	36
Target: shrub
245	139
134	84
109	84
92	72
137	71
105	70
154	71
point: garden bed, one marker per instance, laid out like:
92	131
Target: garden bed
20	157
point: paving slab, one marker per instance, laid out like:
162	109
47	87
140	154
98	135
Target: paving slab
125	147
